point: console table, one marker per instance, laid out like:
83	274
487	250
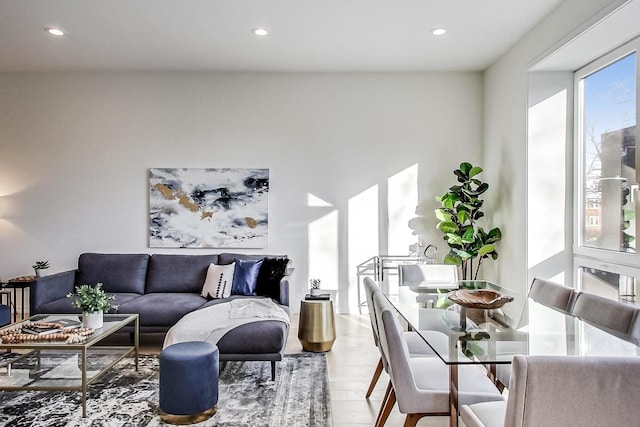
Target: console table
15	285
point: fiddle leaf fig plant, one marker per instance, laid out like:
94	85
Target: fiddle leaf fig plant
458	220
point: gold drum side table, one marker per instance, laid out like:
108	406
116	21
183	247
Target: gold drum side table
317	327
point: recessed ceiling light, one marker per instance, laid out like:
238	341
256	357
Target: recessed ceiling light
438	31
260	32
55	31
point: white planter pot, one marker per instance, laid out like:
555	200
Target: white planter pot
315	292
41	273
92	320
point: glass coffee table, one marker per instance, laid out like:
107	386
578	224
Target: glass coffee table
60	366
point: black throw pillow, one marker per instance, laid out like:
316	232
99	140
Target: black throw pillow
271	272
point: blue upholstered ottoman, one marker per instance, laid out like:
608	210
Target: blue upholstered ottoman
188	382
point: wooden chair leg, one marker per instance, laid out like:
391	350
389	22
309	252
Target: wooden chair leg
387	393
374	379
386	409
412	419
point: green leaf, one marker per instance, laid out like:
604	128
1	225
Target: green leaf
629	214
465	168
447	227
482	188
475	171
443	303
486	249
464	255
448	200
494	235
468	235
441	215
453	239
463	216
452	260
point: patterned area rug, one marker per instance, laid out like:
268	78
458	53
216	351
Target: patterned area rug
247	397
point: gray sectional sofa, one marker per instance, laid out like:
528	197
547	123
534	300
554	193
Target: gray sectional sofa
161	289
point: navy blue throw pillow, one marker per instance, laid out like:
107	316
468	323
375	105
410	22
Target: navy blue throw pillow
245	276
271	272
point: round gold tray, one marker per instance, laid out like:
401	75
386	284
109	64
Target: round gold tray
479	298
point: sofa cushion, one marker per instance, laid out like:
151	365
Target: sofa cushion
65	305
271	273
245	276
266	336
178	273
116	272
219	281
162	309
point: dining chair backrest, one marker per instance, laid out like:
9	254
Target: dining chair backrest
370	288
612	315
444	275
554	295
393	344
560	391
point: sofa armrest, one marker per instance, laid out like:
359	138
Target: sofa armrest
50	288
284	291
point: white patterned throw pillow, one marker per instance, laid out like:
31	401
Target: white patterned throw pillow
219	280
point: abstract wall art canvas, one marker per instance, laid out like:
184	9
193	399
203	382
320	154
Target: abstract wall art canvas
208	208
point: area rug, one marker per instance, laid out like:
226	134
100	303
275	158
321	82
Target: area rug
248	397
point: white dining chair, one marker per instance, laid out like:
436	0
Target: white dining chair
554	295
550	294
415	343
442	275
564	391
420	386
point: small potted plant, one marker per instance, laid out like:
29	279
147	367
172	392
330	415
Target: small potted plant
315	287
40	268
93	301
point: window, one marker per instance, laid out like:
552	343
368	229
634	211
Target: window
593	221
607	177
608	146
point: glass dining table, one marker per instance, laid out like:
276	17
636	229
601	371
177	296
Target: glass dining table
491	337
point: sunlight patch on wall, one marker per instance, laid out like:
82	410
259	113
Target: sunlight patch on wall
323	250
402	199
547	142
362	235
315	201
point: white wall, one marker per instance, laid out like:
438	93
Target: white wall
75	149
505	129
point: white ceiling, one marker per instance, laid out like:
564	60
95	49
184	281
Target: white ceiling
305	35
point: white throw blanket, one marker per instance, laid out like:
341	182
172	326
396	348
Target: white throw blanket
211	323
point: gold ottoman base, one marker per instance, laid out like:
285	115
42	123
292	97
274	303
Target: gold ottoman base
316	347
188	419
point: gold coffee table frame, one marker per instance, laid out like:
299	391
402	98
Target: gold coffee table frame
112	323
317	327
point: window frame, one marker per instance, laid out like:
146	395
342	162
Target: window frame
590	257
